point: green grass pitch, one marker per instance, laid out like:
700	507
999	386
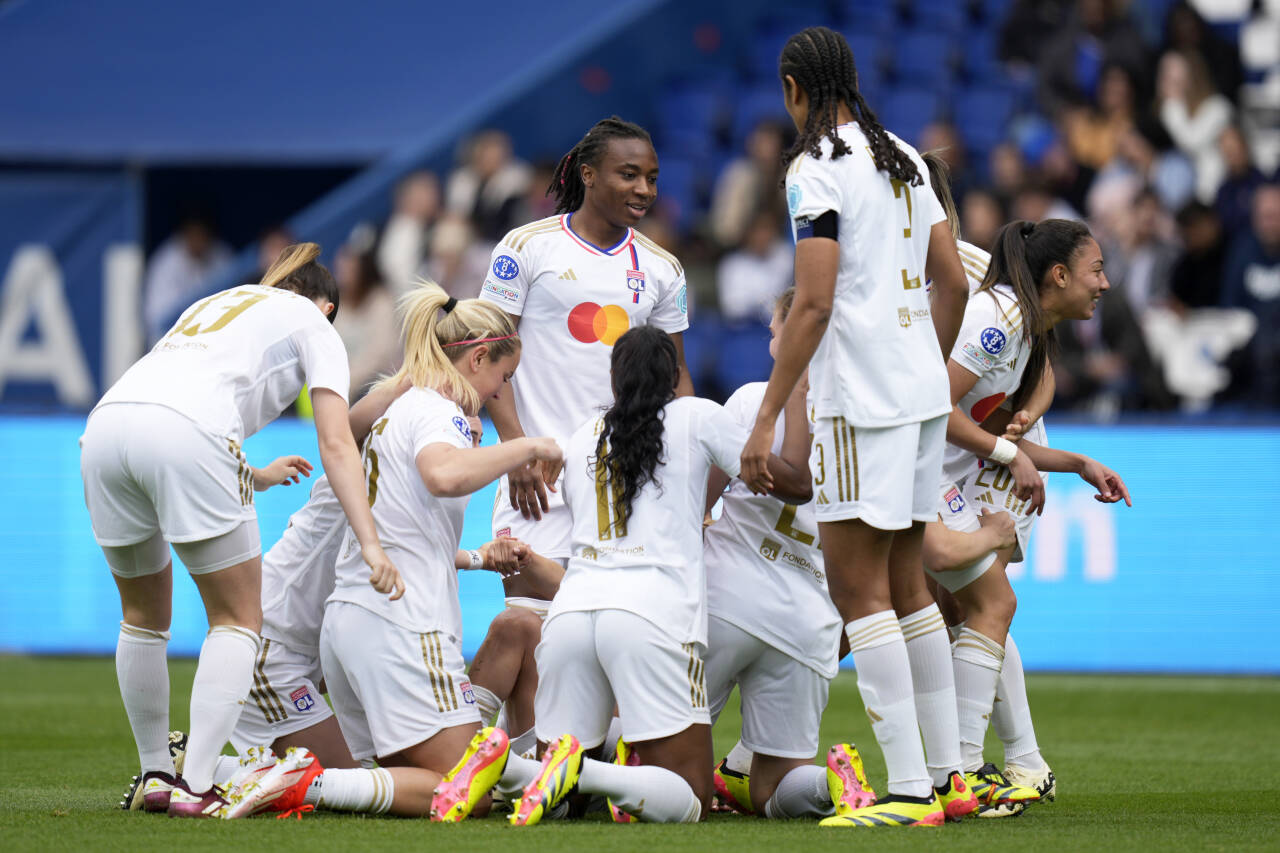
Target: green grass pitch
1143	763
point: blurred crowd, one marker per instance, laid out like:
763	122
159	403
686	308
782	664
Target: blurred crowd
1161	130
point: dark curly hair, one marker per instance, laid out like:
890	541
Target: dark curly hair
644	370
821	63
566	182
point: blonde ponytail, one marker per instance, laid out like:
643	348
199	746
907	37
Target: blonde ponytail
290	260
434	340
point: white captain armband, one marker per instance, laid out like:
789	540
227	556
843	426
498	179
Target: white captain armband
826	225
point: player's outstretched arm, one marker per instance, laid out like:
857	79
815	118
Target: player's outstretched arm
452	472
1110	486
374	405
281	472
948	550
527	485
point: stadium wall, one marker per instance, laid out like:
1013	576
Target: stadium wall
1184	581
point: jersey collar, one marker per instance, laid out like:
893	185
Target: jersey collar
592	247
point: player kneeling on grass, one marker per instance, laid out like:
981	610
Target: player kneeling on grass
628	625
783	673
382	659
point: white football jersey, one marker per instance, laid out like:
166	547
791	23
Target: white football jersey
419	531
878	364
235	360
574	300
975	262
771	548
653	566
992	346
298	571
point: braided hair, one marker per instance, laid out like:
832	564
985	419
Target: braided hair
821	63
566	182
644	370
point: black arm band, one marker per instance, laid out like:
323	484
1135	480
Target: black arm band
827	225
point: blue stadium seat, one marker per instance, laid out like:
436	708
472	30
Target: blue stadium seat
867	17
869	57
978	56
924	59
906	110
753	106
743	357
680	186
943	16
982	115
701	342
691	109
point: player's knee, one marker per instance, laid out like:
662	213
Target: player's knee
516	626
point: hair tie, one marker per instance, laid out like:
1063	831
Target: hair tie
478	341
450	305
1026	229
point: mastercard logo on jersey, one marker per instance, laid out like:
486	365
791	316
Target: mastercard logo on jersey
589	322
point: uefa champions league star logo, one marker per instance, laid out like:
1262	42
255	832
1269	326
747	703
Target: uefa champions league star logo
505	267
993	340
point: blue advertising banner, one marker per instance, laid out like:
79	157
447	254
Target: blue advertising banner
1184	581
70	273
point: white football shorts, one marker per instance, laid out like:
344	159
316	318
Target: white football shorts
885	476
782	699
392	688
591	659
285	697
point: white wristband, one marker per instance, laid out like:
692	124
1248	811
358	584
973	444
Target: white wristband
1004	451
477	560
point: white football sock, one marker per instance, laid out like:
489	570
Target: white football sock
652	794
352	790
1011	714
223	677
884	680
142	668
739	759
525	744
933	677
487	703
225	767
977	662
518	773
802	792
611	738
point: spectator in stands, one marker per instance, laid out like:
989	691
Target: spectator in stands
272	240
1235	195
1008	172
1030	26
406	238
457	262
536	203
1073	68
942	138
1197	276
751	278
1093	133
489	187
749	184
1141	262
1037	201
1252	281
981	216
367	322
1141	163
1186	30
183	268
1194	116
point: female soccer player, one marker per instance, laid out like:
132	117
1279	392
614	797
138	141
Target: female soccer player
867	236
628	625
573	283
1011	713
162	463
394	669
762	543
1040	275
